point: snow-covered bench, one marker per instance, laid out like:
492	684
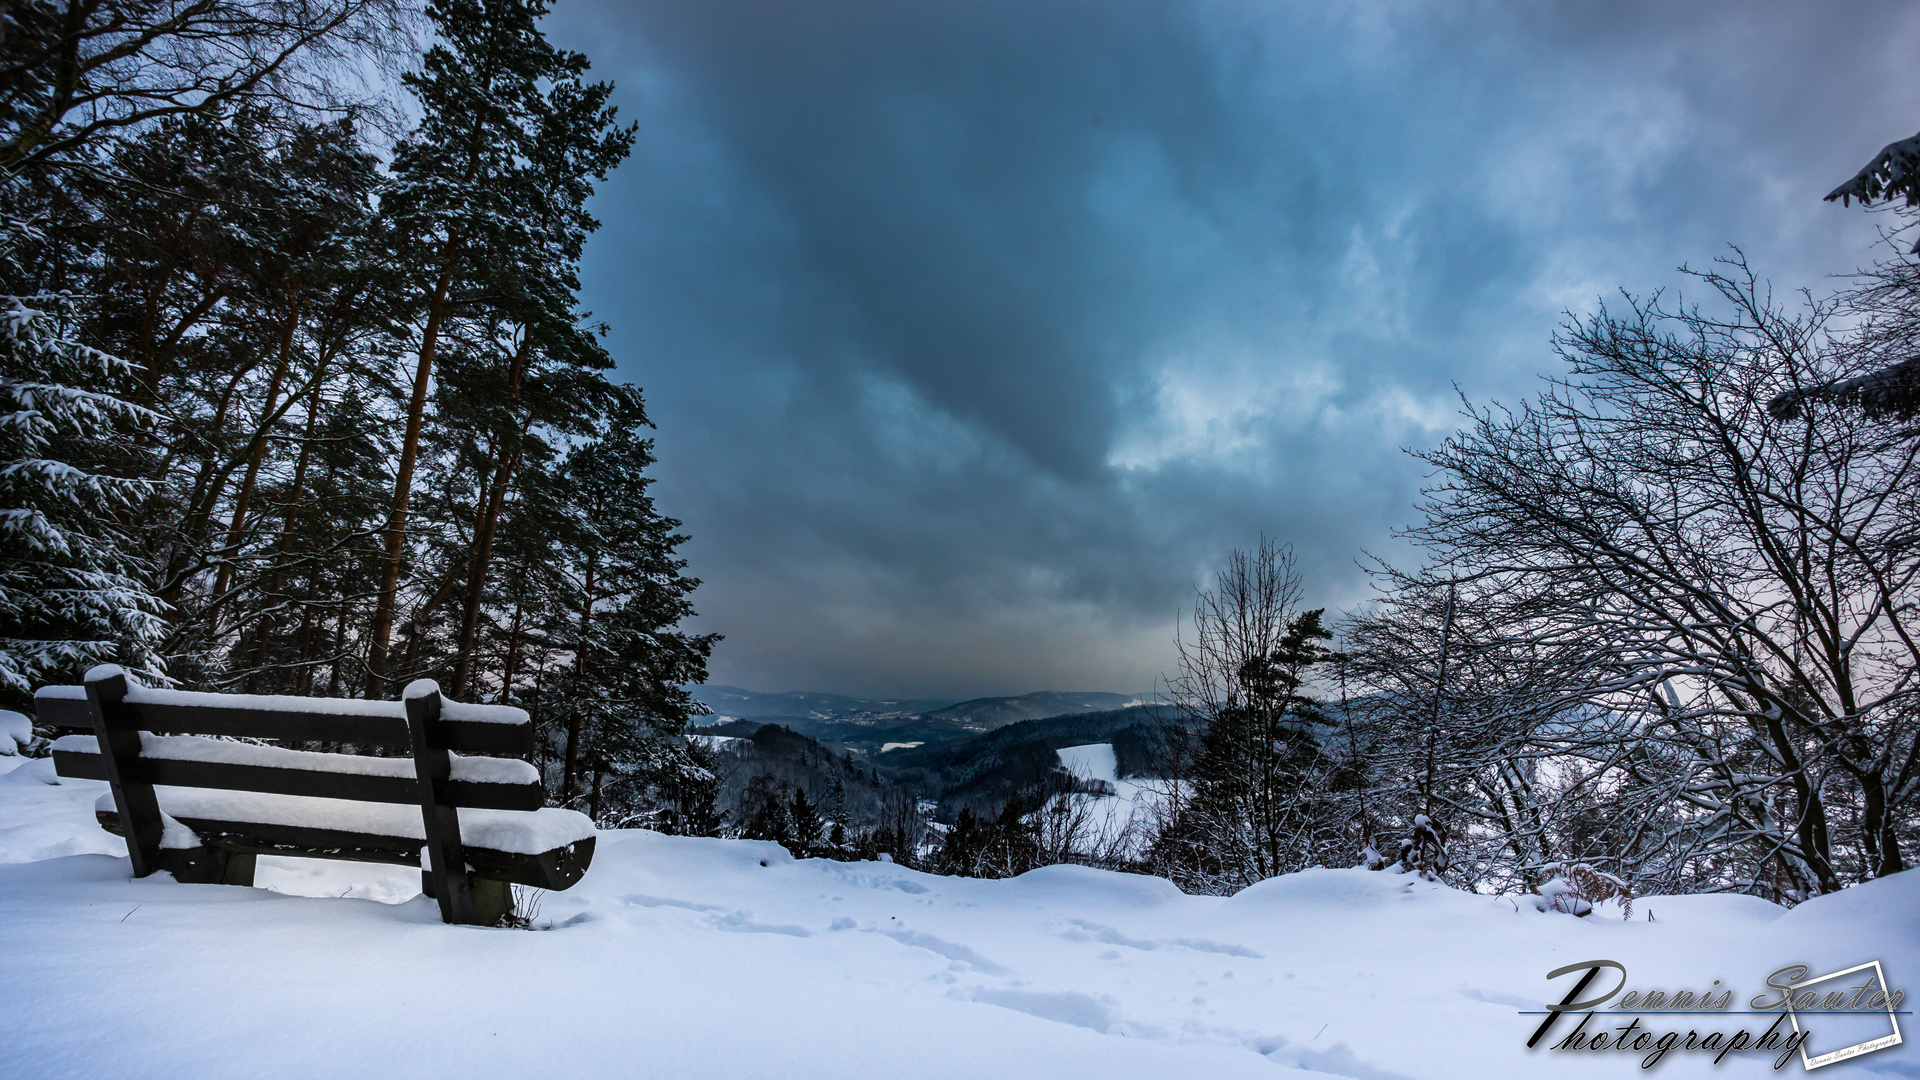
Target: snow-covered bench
193	801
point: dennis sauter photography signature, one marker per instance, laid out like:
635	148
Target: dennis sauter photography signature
1839	1015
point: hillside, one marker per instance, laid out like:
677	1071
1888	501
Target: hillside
842	782
981	771
1055	732
866	735
928	758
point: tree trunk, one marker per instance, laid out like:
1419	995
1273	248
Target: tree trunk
1878	832
542	746
339	648
290	523
512	671
1810	809
381	634
486	525
207	484
256	453
412	629
580	650
572	761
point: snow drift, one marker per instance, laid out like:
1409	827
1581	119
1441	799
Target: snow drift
709	958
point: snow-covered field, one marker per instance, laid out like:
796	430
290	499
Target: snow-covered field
1131	801
694	958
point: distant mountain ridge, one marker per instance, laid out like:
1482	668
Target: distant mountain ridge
869	724
744	704
986	714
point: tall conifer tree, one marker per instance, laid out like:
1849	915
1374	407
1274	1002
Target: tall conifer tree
487	202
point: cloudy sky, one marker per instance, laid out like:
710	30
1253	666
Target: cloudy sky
977	332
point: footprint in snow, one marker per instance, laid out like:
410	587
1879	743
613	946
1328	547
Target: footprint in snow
741	922
951	950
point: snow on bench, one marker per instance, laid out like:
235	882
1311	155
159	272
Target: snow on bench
203	806
480	770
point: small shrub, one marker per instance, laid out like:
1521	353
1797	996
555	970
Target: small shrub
1574	888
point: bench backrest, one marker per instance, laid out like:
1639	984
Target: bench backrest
115	711
464	728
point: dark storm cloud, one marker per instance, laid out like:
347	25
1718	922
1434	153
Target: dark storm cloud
977	332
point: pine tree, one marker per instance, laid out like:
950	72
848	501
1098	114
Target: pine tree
765	813
71	589
690	797
305	333
627	592
81	434
835	806
807	825
488	205
244	293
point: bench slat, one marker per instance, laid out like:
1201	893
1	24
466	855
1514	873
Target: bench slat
493	740
558	869
226	776
63	714
287	725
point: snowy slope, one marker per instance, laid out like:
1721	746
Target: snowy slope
1096	762
1129	806
690	957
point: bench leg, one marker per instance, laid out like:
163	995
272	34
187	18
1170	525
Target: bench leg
240	867
443	859
133	798
492	901
207	866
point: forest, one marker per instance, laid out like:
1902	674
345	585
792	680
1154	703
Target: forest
300	395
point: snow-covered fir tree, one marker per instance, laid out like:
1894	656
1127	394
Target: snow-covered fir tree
72	589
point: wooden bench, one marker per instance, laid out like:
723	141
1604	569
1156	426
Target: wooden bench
193	799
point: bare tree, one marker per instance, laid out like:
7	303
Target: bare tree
75	71
1237	626
1722	601
1883	306
1499	745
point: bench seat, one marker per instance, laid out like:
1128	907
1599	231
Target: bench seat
549	848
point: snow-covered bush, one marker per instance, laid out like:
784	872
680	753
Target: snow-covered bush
1423	850
1574	888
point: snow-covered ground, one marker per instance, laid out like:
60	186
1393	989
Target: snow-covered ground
708	958
1131	802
